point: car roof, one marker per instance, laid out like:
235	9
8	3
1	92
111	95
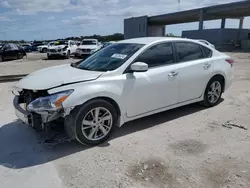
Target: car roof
148	40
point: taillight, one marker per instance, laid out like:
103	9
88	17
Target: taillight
230	61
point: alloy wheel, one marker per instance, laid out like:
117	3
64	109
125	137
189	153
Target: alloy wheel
97	123
214	92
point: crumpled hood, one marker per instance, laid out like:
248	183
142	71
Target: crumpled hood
56	76
57	47
92	47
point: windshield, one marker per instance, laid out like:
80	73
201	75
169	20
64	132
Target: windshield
51	44
57	43
89	42
110	58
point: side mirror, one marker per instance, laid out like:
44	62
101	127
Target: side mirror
139	67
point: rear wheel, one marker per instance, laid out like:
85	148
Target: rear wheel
48	56
92	123
213	92
19	56
1	58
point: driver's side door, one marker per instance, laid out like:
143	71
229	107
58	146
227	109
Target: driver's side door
158	87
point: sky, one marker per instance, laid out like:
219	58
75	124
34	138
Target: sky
52	19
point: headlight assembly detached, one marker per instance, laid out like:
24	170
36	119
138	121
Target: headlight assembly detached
49	103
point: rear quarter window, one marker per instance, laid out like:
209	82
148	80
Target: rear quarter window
206	52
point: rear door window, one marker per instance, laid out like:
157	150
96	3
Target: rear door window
187	51
13	47
206	52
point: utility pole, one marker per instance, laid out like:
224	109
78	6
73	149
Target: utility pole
179	5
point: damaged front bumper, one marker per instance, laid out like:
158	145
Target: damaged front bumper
21	113
36	120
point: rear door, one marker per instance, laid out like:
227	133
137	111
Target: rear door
195	69
15	52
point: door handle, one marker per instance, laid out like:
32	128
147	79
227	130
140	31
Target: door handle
173	74
206	66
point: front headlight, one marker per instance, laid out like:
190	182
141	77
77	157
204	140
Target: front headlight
49	103
65	48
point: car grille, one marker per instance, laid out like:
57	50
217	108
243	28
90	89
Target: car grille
55	50
86	50
52	50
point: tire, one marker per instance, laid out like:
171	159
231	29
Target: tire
1	58
211	94
44	50
73	122
48	56
19	56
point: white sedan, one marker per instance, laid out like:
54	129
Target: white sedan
126	80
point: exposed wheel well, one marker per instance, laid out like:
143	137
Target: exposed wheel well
111	101
222	79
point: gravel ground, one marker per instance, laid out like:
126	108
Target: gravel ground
189	147
33	62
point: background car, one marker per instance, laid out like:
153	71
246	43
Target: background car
62	48
11	51
27	47
88	47
35	45
44	48
207	43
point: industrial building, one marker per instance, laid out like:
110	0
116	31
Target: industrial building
222	37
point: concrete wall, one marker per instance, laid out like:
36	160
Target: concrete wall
156	31
136	27
218	37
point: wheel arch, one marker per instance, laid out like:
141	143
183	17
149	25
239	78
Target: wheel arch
222	77
108	99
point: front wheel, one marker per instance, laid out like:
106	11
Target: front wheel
213	92
19	56
44	50
93	122
1	58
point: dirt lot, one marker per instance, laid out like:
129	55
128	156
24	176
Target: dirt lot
186	147
33	62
